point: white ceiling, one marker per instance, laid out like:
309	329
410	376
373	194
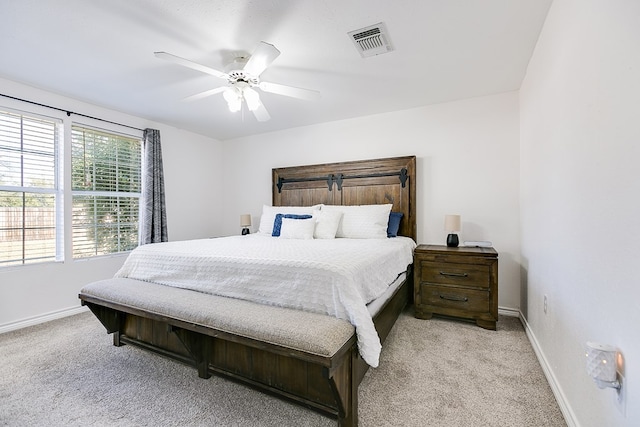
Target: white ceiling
101	52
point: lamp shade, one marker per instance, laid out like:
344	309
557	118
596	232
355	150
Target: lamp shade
452	223
245	220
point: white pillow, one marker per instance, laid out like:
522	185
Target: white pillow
297	228
363	221
327	224
269	215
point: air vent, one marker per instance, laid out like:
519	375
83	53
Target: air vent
371	40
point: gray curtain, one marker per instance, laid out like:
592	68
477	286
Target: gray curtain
153	215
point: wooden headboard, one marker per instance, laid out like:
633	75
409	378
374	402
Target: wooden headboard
364	182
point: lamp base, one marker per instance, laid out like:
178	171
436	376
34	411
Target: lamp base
245	231
452	240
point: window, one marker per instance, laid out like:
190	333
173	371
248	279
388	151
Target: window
30	199
106	190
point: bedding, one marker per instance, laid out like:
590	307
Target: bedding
362	221
269	213
394	224
277	224
296	228
338	277
327	224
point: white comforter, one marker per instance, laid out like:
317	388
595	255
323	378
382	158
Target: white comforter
333	276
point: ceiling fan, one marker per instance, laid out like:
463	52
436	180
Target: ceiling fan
242	77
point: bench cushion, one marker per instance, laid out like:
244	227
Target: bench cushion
312	333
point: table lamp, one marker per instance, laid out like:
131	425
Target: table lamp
245	223
452	226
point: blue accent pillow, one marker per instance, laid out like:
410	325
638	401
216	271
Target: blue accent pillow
277	223
394	224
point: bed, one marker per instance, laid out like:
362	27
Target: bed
308	357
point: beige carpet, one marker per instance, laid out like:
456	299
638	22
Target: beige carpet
432	373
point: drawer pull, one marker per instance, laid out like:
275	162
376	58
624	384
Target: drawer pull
454	298
444	273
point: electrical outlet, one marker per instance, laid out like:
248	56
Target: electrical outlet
620	398
545	305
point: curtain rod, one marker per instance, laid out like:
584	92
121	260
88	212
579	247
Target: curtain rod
69	113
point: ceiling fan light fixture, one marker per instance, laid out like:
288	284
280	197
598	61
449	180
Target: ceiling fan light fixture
233	98
230	94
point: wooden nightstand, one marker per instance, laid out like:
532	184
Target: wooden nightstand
459	282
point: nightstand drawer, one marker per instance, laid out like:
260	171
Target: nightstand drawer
455	274
466	300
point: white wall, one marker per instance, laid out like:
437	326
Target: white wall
467	163
192	166
580	197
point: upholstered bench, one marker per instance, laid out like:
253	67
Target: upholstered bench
297	330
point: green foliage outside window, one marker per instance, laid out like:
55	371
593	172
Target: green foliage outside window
106	186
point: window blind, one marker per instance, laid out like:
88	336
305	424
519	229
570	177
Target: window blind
30	218
106	190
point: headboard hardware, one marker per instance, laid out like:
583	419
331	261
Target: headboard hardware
339	178
403	177
282	181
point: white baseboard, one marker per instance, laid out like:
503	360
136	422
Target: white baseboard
41	319
511	312
566	410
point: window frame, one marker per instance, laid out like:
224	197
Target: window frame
74	193
57	189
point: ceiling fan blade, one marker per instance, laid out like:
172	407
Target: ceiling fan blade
205	94
252	98
261	113
261	58
294	92
193	65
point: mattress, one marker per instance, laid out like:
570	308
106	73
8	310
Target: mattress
376	305
338	277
